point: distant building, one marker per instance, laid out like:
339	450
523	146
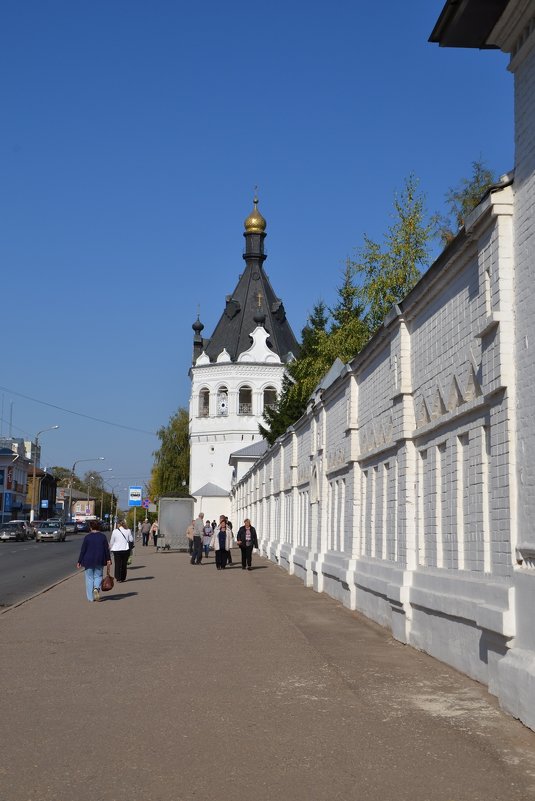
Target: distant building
74	505
13	484
45	494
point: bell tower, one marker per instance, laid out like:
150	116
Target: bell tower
235	374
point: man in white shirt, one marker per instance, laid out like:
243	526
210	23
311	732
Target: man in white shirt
198	531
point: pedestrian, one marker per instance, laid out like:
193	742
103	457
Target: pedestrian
94	554
121	542
247	540
189	535
145	532
214	526
155	532
207	538
221	543
229	555
198	532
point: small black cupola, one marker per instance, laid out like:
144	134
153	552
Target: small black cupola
198	342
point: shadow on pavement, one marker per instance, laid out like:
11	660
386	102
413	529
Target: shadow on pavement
117	597
141	578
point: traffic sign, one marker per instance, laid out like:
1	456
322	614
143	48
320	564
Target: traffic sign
146	503
134	496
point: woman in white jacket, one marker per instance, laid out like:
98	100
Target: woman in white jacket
121	542
220	542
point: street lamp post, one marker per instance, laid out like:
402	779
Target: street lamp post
113	488
102	491
94	459
92	478
36	447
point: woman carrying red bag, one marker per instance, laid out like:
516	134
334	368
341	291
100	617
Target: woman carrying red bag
94	554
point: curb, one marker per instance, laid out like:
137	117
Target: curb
37	594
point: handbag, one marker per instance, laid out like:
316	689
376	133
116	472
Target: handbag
107	581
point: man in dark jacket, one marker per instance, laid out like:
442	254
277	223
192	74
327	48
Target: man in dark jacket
94	554
247	540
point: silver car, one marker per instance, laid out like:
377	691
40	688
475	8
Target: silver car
50	530
15	530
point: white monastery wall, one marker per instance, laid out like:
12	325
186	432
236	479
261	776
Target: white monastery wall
395	491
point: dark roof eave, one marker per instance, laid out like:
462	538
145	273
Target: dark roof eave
467	23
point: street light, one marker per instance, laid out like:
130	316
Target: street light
94	459
90	479
32	510
103	490
116	497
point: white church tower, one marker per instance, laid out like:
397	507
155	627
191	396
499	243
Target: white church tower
235	375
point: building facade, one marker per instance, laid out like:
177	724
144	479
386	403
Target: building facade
407	490
236	374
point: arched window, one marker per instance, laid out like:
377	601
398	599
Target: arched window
204	403
270	397
222	401
245	402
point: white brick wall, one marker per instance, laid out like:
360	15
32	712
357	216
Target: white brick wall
412	496
393	492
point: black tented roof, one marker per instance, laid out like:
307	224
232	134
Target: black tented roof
252	298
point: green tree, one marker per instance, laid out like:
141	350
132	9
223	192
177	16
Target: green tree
349	306
170	473
320	348
64	477
316	324
388	272
463	199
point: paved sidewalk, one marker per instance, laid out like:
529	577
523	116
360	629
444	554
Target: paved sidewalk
191	684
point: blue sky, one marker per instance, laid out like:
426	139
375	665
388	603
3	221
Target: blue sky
132	135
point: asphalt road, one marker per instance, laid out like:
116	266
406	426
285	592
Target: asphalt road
29	567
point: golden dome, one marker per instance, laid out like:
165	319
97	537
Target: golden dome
255	223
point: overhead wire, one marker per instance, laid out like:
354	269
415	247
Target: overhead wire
78	414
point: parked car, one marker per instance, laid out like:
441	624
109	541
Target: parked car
81	525
70	527
15	530
50	530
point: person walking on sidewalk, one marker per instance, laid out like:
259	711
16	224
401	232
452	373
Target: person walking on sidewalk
120	543
221	544
198	532
189	535
154	531
247	540
229	552
94	554
145	531
207	538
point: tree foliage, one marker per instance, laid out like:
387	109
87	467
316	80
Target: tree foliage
371	285
388	272
92	483
170	472
322	344
463	199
